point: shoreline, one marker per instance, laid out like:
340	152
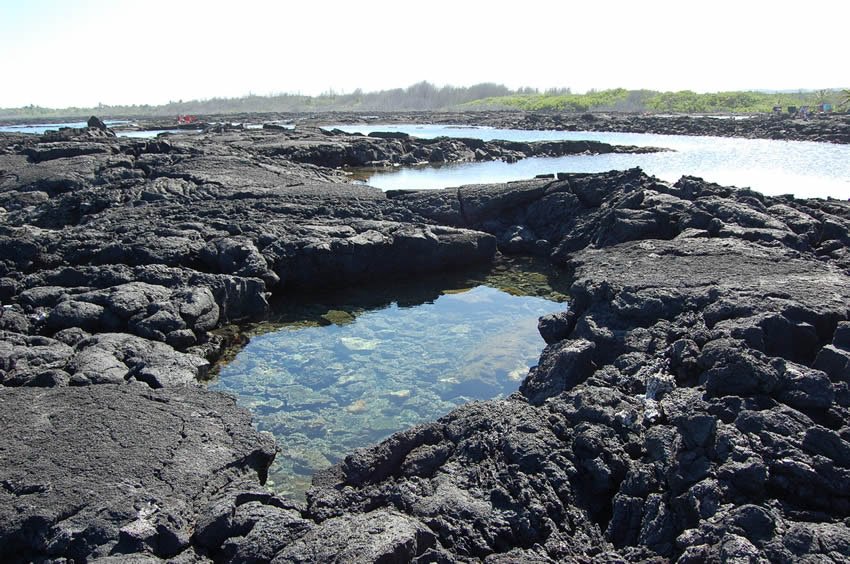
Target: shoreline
826	128
692	403
829	128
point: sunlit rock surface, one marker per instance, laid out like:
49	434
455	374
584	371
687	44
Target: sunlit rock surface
694	407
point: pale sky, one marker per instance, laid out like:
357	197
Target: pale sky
59	53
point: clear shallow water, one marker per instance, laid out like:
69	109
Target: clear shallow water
326	390
805	169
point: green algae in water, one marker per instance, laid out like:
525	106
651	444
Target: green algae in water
330	380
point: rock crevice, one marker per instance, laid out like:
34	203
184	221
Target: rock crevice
692	405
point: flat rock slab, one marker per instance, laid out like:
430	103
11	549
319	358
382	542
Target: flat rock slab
710	268
116	468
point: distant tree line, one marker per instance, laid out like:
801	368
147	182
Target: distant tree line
485	96
684	101
420	96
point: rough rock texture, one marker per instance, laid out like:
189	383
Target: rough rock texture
695	407
117	258
116	469
834	128
167	240
380	149
692	404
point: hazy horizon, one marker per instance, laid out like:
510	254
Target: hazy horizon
81	53
342	94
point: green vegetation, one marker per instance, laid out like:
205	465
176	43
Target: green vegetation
618	99
487	96
845	98
684	101
420	96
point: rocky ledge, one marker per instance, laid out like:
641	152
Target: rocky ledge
826	128
691	404
336	148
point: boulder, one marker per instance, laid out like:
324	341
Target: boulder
96	123
567	364
556	327
115	357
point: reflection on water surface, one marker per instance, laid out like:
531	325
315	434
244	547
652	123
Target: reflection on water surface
803	168
330	377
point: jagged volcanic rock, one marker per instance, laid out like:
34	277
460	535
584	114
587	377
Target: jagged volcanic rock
692	404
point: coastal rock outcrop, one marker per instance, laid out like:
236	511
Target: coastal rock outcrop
117	258
681	418
825	128
117	469
691	405
382	149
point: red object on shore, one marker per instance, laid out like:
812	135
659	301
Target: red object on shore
186	119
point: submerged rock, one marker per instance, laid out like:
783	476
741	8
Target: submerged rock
691	405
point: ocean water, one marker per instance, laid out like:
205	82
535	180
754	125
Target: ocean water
39	128
802	168
151	133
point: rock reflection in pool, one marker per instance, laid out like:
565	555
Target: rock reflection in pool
324	391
